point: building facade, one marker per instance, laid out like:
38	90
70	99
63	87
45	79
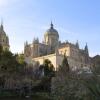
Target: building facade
4	40
51	48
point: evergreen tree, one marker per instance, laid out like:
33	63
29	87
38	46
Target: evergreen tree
48	68
64	66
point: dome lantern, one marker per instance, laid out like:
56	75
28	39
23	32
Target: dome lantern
51	25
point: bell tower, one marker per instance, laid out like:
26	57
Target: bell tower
4	40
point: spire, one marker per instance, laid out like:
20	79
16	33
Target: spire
86	48
51	25
26	43
35	41
77	44
1	24
1	21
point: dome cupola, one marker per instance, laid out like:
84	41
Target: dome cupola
52	31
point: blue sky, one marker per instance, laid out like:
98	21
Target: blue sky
74	19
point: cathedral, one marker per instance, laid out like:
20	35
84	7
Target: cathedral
4	40
53	49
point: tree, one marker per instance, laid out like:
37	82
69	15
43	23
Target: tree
72	86
1	49
64	67
96	64
65	63
65	84
92	83
20	58
10	68
48	68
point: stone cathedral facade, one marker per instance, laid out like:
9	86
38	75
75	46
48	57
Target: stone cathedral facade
53	49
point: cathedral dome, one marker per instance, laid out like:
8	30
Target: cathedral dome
52	31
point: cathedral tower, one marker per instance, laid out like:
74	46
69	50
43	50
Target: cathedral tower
51	37
4	40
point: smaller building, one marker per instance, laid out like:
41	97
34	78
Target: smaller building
54	58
